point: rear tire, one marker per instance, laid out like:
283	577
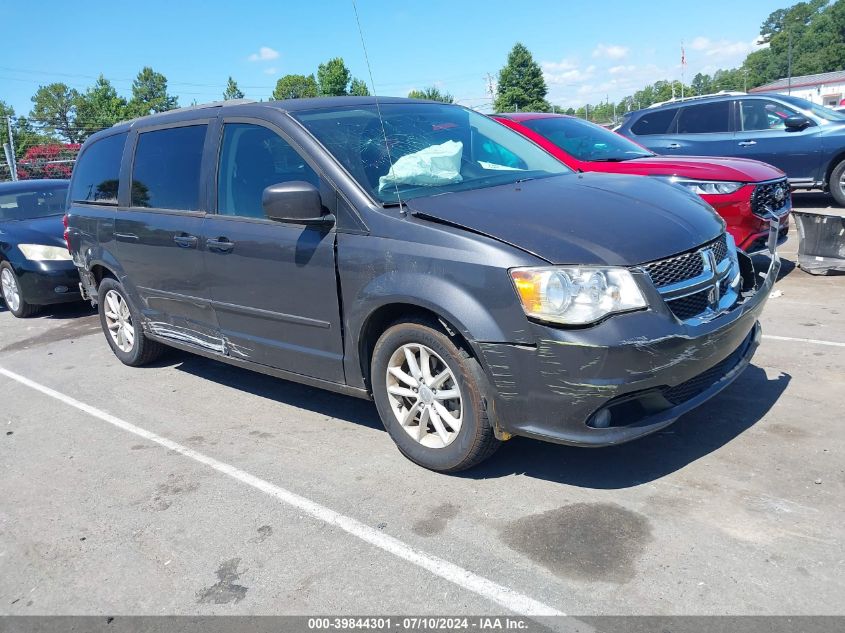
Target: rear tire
122	326
434	407
836	184
10	288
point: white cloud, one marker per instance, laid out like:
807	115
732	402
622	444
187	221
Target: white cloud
610	51
723	50
618	70
264	54
566	71
613	83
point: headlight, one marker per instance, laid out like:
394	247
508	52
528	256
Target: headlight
43	253
704	187
576	296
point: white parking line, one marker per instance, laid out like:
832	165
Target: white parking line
508	598
814	341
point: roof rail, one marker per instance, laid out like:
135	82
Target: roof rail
721	93
199	106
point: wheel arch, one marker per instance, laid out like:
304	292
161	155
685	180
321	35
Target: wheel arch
384	316
838	158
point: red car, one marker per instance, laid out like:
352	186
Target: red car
744	192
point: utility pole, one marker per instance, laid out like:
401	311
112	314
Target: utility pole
789	72
10	158
490	89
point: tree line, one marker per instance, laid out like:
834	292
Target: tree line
63	114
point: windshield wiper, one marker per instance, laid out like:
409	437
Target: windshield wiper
619	159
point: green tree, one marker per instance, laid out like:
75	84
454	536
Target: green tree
521	86
701	84
295	87
431	93
232	91
358	88
99	107
333	78
149	94
54	107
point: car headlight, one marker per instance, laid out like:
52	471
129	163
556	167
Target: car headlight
705	187
44	253
576	295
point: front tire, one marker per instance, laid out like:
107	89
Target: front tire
429	395
10	287
122	326
836	184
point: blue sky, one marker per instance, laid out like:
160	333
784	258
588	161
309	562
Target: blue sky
587	53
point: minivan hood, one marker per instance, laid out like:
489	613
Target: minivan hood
48	231
592	218
700	168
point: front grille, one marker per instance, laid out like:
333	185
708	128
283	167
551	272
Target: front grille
720	248
685	266
770	197
698	384
689	306
675	269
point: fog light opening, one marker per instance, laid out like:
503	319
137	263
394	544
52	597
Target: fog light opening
60	290
600	420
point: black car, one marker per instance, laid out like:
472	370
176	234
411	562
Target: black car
35	266
805	140
419	254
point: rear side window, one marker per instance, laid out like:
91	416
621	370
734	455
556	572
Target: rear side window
656	122
705	118
97	172
166	171
252	158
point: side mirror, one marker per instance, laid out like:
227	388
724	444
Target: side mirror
295	202
796	122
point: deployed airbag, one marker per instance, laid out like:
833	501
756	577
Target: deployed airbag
435	165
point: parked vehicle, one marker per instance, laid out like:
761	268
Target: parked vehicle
419	254
805	140
746	193
35	265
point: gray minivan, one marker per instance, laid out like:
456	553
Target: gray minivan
419	254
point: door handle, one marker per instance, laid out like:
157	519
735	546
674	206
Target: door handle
673	146
125	237
185	241
747	143
220	244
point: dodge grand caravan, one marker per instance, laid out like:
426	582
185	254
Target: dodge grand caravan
419	254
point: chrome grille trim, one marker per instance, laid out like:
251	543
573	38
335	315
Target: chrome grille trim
716	279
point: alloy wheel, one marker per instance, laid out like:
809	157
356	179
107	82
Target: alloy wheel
424	395
11	292
119	321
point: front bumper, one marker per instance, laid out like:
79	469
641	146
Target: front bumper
645	369
44	283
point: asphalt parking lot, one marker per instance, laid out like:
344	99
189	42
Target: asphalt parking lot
213	490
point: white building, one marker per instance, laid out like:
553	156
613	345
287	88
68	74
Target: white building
826	89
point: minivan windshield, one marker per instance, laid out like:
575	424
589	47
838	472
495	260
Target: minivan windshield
586	141
38	201
430	149
819	111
